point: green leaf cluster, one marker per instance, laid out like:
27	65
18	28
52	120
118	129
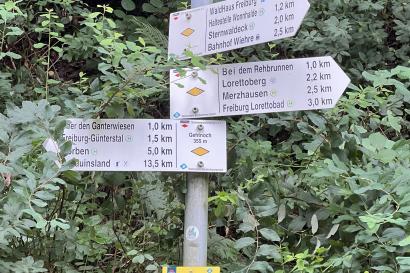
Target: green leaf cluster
323	191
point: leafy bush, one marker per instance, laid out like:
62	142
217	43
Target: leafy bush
322	191
325	192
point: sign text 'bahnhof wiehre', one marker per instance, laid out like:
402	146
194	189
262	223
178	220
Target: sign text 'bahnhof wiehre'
233	24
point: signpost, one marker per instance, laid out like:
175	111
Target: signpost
233	24
199	146
195	248
146	145
258	87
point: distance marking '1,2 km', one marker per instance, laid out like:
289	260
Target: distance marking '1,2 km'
233	24
146	145
257	87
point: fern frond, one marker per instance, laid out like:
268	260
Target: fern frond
151	34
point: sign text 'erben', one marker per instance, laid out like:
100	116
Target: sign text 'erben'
146	145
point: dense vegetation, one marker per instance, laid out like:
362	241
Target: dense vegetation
319	191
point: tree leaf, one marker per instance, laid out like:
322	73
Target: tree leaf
94	15
139	259
128	5
383	268
13	55
377	140
404	263
39	45
157	3
314	223
44	195
151	267
261	266
405	242
281	213
297	224
244	242
270	234
14	31
93	220
269	251
59	223
147	7
333	231
39	203
141	40
132	252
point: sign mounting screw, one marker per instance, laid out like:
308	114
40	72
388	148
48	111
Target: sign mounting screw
195	110
200	164
188	16
200	127
194	74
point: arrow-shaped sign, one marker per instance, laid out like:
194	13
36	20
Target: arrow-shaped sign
233	24
257	87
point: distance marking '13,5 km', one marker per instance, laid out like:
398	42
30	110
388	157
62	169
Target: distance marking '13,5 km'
145	145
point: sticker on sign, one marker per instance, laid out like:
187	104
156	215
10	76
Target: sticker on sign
190	269
146	145
233	24
257	87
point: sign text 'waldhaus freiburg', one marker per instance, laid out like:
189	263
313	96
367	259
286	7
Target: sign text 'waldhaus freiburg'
233	24
146	145
257	87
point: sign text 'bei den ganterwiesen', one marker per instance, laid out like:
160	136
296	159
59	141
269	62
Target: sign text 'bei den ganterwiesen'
146	145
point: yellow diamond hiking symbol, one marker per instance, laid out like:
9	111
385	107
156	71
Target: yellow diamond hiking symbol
200	151
187	32
195	91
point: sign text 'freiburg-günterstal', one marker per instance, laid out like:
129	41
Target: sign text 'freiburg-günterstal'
146	145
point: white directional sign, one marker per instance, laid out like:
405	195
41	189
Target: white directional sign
257	87
146	145
233	24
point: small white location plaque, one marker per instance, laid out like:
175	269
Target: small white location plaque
257	87
146	145
233	24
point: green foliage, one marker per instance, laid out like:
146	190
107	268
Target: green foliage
128	5
323	191
360	35
340	178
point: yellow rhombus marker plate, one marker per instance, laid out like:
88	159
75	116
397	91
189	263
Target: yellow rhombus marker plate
188	269
187	32
195	91
200	151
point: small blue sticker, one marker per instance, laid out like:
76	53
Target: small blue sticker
177	115
184	166
172	269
